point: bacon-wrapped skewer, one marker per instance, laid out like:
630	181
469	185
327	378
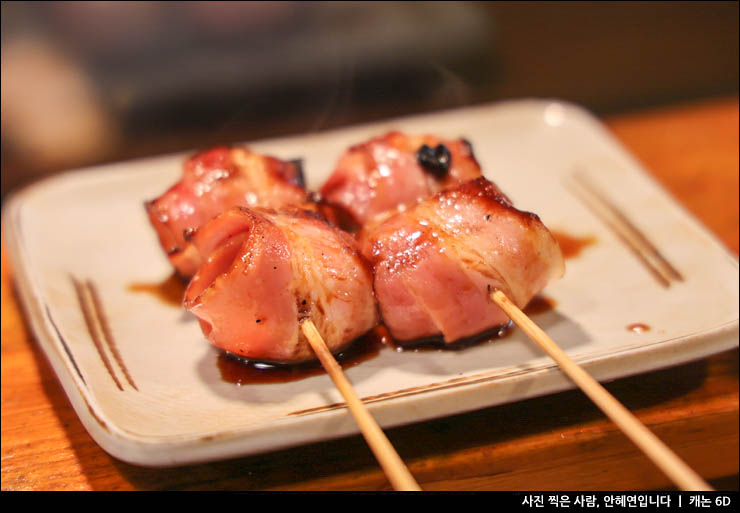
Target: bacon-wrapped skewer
268	270
213	181
436	263
394	171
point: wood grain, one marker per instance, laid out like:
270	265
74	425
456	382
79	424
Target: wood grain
557	442
693	152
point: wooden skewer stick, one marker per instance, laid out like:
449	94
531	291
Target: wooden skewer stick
665	459
395	469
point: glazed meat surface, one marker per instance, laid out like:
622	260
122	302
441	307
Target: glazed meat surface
395	171
266	271
213	181
435	264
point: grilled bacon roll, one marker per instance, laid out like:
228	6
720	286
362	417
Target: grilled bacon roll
395	171
213	181
435	263
264	271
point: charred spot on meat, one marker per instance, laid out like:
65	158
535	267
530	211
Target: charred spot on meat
304	309
436	160
298	178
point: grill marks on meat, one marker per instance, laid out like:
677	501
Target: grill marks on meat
386	173
435	263
266	271
213	181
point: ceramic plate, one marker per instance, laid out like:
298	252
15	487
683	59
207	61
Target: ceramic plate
152	391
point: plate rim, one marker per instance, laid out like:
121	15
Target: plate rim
157	451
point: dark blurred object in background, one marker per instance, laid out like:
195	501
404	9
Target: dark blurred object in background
84	83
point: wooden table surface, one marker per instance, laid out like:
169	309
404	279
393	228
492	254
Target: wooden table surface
558	442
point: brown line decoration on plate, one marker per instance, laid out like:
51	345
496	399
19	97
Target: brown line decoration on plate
92	328
107	333
67	350
624	229
64	345
650	247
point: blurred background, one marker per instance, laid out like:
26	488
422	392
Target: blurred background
86	83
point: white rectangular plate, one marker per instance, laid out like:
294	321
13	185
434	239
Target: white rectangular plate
153	395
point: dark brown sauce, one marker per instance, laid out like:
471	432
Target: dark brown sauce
437	343
239	371
572	246
539	304
638	327
170	291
